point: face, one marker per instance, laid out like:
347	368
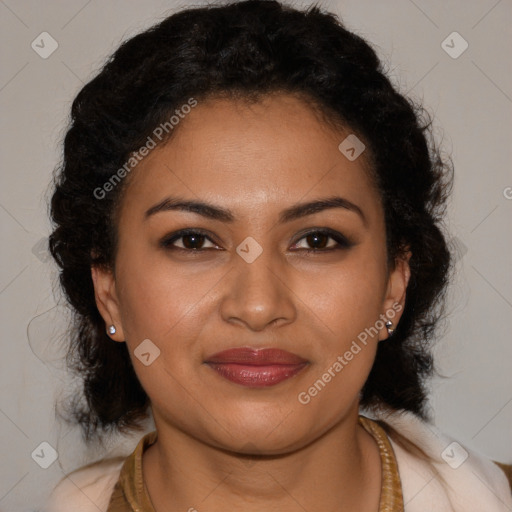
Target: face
254	271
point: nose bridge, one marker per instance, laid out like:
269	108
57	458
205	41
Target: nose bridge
257	295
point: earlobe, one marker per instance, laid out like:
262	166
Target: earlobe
107	302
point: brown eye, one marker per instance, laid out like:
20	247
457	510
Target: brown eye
318	241
193	241
187	240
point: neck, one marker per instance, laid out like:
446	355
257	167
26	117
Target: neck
339	471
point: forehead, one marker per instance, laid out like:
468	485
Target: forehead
249	155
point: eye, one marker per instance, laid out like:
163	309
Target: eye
319	240
189	240
194	240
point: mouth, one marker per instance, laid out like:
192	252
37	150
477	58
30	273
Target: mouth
256	368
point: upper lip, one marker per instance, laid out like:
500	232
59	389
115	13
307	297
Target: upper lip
257	357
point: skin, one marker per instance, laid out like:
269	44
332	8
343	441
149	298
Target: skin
255	160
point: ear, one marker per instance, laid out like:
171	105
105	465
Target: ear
394	301
107	301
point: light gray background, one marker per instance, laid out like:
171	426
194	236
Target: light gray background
470	97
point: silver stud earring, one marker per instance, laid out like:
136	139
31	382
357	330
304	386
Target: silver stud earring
111	329
389	327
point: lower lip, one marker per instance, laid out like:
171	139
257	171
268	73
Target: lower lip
257	376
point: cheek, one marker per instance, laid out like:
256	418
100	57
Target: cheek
164	305
349	304
348	297
162	301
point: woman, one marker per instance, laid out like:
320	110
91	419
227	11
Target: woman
248	222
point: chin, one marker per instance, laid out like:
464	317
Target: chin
264	437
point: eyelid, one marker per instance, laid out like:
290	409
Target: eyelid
168	240
342	241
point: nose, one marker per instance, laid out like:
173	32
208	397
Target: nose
258	294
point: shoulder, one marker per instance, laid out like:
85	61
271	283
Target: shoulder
439	473
87	489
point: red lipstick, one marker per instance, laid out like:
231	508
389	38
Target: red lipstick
256	368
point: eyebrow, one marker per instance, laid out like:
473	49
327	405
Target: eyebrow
293	212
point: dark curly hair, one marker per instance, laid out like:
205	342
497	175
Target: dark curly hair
246	50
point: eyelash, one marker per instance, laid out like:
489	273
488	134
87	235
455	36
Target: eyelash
342	241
